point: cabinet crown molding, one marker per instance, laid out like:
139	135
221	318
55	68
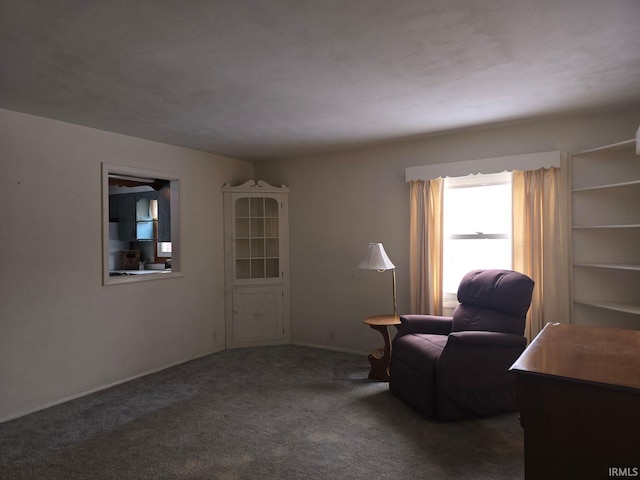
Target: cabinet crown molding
254	186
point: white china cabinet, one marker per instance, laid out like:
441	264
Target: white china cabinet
256	230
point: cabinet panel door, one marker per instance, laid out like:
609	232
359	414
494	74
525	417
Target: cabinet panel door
127	217
164	215
257	315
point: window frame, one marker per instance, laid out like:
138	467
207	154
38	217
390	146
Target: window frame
175	184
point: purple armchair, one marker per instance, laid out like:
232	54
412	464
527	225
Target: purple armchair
456	367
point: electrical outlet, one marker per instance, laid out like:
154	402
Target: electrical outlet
332	335
214	337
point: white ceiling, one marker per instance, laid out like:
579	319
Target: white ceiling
274	78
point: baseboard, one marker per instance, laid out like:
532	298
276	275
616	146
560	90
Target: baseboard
159	369
105	387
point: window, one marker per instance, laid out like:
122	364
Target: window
140	224
477	227
164	249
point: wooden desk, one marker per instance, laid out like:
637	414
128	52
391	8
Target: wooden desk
379	358
578	391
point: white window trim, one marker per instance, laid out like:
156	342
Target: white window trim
176	182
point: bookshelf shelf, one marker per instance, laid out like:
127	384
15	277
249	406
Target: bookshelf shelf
605	194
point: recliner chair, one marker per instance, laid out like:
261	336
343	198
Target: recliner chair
456	367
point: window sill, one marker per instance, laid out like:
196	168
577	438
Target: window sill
138	276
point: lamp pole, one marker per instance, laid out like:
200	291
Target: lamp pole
395	310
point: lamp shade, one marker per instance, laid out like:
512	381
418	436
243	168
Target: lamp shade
376	258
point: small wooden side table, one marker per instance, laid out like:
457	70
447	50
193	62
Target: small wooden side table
380	357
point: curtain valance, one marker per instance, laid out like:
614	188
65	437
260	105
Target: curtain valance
523	163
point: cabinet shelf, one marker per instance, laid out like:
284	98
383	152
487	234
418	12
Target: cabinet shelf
624	145
605	186
629	225
614	266
624	307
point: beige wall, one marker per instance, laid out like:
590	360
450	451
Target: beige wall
340	202
61	332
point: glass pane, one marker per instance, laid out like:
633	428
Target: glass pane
144	230
272	248
242	207
257	268
462	256
273	268
271	207
143	211
242	248
485	209
257	248
271	227
242	227
243	269
257	227
257	207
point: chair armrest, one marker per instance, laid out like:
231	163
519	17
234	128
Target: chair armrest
487	339
425	324
472	373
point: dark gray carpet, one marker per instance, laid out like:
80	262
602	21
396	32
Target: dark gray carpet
283	412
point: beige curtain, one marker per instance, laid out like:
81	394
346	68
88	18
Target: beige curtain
425	247
540	243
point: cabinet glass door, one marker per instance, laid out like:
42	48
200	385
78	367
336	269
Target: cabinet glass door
146	217
257	233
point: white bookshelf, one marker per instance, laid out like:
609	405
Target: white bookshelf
605	216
